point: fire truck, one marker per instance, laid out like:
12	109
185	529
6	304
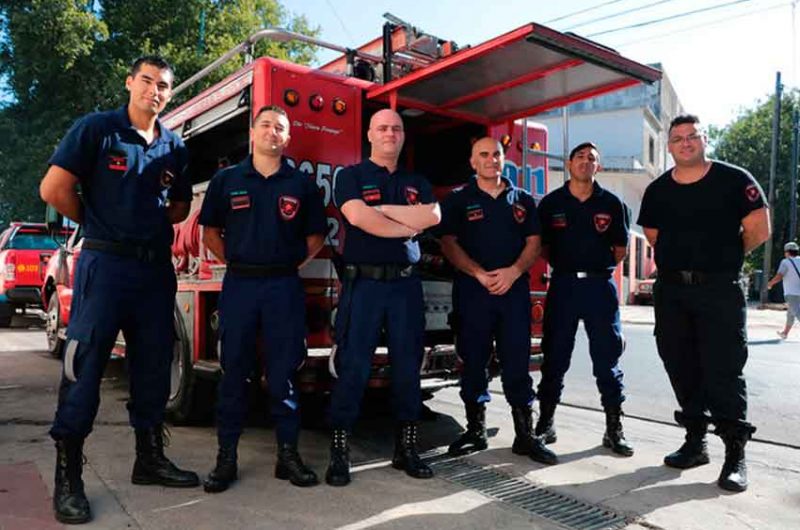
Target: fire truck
447	96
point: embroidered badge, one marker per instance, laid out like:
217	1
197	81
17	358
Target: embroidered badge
519	211
289	206
601	222
117	162
371	193
167	178
474	212
412	195
559	220
240	200
752	192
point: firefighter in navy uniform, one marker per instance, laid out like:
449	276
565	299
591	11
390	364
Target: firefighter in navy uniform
133	188
272	219
383	207
490	233
584	237
702	217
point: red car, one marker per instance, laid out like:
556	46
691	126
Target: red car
56	291
25	250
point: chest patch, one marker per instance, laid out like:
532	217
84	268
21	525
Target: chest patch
371	193
412	195
559	220
117	162
240	200
519	211
752	193
601	222
288	206
474	212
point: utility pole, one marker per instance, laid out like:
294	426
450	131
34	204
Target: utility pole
773	169
793	175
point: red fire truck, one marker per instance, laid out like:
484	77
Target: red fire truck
447	97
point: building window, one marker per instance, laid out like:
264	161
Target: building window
651	152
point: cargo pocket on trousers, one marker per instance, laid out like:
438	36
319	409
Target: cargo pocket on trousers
79	339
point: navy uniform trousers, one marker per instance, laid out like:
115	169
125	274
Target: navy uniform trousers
482	317
702	340
275	306
593	300
366	308
113	293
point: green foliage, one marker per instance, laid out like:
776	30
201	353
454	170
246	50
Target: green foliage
60	59
747	142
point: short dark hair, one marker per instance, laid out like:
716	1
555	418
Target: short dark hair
792	253
581	146
683	119
270	108
153	60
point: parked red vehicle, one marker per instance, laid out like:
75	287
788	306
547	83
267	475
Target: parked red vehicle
25	249
447	98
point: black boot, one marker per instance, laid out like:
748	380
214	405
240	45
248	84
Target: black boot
694	451
69	500
405	452
614	438
291	467
474	439
152	467
338	473
733	476
545	427
225	472
525	442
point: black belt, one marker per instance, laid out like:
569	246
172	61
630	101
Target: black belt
261	271
128	250
697	277
378	272
584	274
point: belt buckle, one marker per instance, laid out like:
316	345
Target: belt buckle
581	274
687	277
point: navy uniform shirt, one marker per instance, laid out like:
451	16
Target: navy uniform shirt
580	235
492	231
126	184
265	220
699	224
374	185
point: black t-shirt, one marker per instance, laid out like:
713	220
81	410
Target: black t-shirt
580	235
699	224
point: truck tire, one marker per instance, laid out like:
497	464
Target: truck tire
6	314
53	325
181	402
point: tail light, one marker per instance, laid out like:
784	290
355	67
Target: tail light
10	267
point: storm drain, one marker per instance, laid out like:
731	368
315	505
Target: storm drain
566	511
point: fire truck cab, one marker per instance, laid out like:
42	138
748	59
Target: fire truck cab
448	97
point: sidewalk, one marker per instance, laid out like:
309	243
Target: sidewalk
756	317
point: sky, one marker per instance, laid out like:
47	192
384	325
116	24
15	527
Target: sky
720	60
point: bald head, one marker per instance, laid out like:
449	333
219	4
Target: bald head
386	135
487	158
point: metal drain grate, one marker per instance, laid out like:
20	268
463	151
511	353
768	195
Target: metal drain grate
521	493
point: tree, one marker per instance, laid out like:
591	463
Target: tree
747	143
60	59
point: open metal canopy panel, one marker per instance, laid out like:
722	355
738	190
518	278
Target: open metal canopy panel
522	73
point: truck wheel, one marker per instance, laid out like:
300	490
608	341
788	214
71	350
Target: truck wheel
55	345
6	314
182	381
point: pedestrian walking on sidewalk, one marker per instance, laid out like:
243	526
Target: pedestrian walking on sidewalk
702	217
789	274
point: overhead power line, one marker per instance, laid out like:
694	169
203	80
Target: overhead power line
697	26
582	11
620	13
665	19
